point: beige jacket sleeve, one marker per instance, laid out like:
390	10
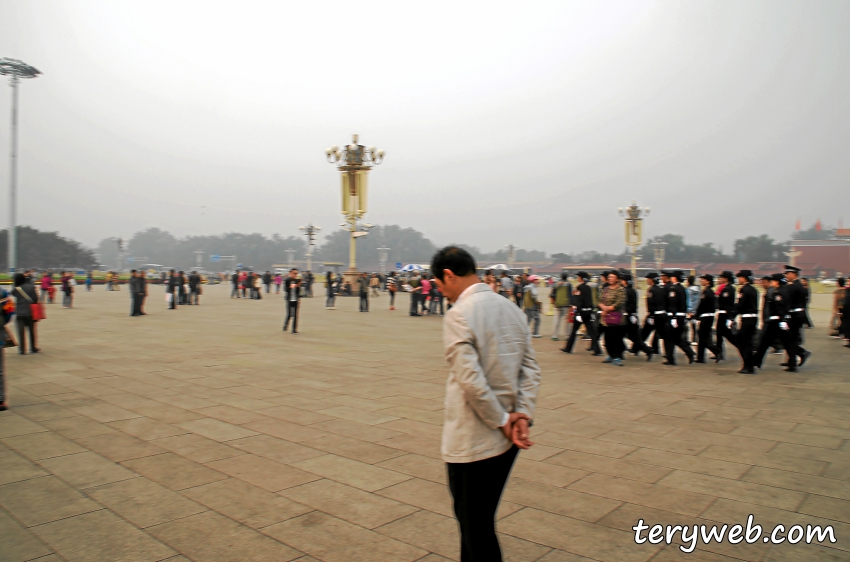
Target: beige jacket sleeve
529	381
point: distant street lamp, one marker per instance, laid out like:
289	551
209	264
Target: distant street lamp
310	232
658	252
16	70
354	162
122	252
291	252
383	254
199	257
634	230
511	252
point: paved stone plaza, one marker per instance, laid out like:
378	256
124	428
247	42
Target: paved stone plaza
207	434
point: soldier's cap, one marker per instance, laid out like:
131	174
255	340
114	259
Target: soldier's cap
583	275
679	274
744	273
779	277
791	269
667	272
727	275
651	275
708	277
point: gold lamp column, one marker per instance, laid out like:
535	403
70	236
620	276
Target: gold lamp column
634	230
354	162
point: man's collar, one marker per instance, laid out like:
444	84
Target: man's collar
474	288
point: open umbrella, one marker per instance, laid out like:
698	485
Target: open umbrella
412	267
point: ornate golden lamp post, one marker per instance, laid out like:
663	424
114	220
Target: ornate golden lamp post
354	162
634	230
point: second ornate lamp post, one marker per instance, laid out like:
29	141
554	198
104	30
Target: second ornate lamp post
354	162
634	230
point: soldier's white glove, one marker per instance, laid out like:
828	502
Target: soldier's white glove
729	324
674	323
650	321
783	325
633	319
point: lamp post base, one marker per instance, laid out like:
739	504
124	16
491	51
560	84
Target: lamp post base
351	275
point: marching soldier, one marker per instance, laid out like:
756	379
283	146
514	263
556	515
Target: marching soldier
705	316
583	315
725	312
656	313
748	309
633	322
797	313
775	314
677	316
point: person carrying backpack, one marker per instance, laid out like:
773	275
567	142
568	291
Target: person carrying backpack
560	296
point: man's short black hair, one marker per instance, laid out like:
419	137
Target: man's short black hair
293	269
692	279
457	260
841	281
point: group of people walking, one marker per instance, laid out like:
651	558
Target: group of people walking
731	313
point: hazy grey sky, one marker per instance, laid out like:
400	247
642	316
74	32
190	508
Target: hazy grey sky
524	122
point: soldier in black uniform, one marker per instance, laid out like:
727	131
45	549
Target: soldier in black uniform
633	320
656	313
706	309
583	315
797	313
748	309
725	312
677	317
775	316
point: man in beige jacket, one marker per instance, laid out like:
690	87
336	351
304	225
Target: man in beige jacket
490	398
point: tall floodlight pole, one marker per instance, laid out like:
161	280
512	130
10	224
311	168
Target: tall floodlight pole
634	230
354	162
199	256
310	232
15	70
383	254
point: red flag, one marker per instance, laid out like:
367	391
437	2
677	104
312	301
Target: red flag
798	225
817	225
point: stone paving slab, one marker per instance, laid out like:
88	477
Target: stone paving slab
207	434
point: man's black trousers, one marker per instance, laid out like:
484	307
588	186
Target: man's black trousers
291	313
476	489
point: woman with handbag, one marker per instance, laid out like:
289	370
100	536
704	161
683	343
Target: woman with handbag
25	300
7	310
613	307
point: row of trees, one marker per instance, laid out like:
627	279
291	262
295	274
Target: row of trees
50	250
42	250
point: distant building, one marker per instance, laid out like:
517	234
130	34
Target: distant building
823	258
